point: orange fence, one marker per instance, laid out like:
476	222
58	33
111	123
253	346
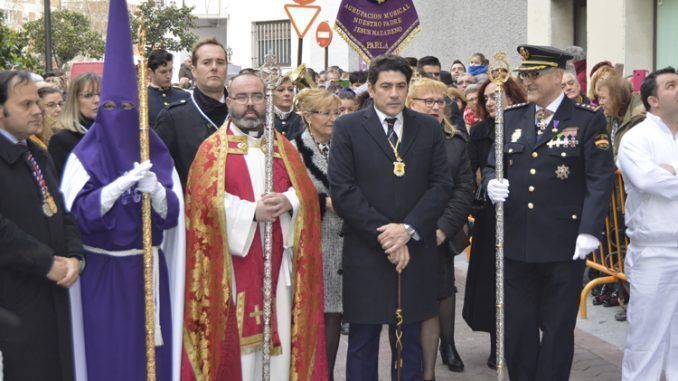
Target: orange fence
609	258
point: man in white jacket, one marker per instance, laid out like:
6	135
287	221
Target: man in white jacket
648	159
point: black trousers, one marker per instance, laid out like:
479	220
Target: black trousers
363	352
541	297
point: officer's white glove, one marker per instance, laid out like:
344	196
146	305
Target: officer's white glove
111	192
586	243
149	184
498	191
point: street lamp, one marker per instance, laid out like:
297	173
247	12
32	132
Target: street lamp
48	36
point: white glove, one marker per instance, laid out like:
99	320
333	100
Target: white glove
498	191
149	184
586	243
111	192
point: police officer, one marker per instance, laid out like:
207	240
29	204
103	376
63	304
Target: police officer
160	91
559	165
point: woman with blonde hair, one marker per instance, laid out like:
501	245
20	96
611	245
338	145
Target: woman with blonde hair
319	109
428	96
77	116
597	77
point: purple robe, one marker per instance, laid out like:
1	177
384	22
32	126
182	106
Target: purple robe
111	287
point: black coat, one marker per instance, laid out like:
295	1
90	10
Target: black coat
183	129
458	207
556	191
367	195
60	147
159	99
479	294
41	348
480	142
291	127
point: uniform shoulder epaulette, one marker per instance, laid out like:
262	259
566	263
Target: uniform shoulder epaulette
586	106
515	106
177	103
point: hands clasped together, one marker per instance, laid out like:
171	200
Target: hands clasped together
145	180
64	271
393	239
271	206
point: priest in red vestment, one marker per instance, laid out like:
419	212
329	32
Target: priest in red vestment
226	209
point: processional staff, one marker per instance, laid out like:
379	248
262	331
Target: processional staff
270	66
499	74
149	305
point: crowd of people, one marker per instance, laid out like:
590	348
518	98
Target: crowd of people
375	175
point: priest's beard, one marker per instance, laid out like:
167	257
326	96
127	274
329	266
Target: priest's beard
246	121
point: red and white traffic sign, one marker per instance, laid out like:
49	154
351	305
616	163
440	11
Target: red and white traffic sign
323	35
302	15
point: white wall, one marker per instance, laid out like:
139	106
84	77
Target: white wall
621	31
241	15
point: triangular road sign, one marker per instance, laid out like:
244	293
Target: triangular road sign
302	17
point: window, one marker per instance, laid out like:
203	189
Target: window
271	37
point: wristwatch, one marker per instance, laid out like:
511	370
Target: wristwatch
410	230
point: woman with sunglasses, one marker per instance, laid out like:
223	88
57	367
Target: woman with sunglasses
428	96
479	297
77	116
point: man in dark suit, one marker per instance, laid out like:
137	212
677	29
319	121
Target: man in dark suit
559	165
40	250
389	181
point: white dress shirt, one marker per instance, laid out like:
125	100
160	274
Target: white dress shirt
397	127
553	106
652	201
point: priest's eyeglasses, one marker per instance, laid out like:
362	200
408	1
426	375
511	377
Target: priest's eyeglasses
429	102
244	99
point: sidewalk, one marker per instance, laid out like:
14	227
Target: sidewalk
598	351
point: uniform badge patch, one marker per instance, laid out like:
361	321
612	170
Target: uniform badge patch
516	135
563	172
602	142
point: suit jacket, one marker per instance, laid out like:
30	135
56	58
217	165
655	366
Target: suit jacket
367	195
41	348
557	191
183	129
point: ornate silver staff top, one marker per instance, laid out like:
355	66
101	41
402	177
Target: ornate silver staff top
270	68
499	74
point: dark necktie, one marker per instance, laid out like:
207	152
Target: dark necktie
390	133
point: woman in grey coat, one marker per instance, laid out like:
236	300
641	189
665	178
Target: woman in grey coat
319	109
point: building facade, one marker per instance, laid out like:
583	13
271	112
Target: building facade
638	34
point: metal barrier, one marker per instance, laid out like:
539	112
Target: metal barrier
609	258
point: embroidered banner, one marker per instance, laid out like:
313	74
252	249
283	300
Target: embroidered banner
376	27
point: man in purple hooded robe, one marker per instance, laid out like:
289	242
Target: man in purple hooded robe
102	186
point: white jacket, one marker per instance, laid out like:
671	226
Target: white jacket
652	201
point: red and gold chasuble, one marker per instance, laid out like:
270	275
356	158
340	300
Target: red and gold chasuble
249	270
213	342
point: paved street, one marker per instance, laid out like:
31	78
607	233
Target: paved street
599	344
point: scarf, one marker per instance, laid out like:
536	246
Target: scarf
213	109
477	69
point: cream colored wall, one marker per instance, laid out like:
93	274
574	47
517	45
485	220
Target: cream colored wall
621	31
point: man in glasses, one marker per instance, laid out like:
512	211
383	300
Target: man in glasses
558	162
227	207
184	125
